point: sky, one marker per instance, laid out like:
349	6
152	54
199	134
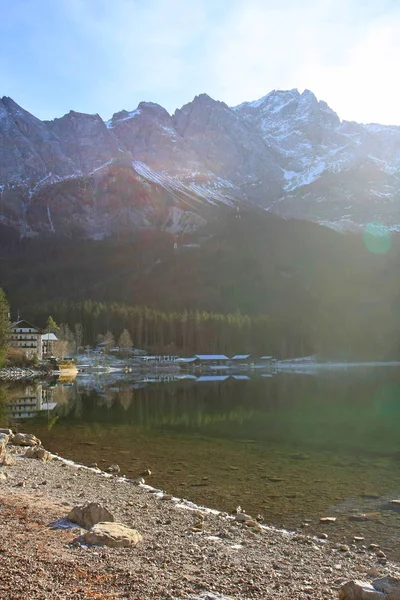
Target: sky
102	56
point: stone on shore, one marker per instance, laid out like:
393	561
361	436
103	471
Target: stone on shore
26	439
89	514
115	535
242	517
386	588
39	453
4	439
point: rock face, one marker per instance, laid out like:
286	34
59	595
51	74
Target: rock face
230	147
387	588
115	535
26	439
85	140
286	152
89	514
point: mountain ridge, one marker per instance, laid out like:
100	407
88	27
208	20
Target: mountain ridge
287	152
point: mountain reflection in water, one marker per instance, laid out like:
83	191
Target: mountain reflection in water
292	447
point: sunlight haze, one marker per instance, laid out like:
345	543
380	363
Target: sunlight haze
99	56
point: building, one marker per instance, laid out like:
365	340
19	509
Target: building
48	341
241	359
31	339
26	337
211	358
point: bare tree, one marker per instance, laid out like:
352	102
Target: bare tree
109	341
60	348
78	330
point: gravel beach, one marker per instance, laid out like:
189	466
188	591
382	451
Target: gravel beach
186	551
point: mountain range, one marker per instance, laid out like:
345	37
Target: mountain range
286	153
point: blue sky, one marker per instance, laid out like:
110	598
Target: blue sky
105	55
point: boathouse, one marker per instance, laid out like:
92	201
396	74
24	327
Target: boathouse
211	359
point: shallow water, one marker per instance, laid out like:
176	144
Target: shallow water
293	447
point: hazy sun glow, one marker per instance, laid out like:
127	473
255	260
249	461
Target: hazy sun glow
97	56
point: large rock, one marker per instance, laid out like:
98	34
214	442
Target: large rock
26	439
387	588
4	438
39	453
115	535
89	514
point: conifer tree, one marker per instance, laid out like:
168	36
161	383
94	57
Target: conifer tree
125	341
51	326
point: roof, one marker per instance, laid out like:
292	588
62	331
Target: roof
186	360
24	324
49	337
240	356
240	377
213	378
212	357
266	357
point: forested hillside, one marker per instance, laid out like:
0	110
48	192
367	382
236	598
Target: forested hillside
290	287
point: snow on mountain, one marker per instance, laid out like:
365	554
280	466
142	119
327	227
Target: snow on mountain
287	152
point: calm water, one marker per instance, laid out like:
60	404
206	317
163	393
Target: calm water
291	447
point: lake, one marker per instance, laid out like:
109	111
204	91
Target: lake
292	447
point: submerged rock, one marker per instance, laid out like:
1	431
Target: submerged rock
373	516
145	473
114	469
115	535
391	505
89	514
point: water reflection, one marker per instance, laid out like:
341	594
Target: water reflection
291	447
26	401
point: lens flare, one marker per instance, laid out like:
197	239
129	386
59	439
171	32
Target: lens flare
377	238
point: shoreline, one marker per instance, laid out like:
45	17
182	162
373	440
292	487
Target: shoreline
188	551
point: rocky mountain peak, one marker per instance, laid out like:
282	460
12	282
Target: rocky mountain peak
84	139
287	152
151	109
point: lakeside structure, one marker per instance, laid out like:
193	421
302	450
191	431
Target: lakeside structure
31	339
